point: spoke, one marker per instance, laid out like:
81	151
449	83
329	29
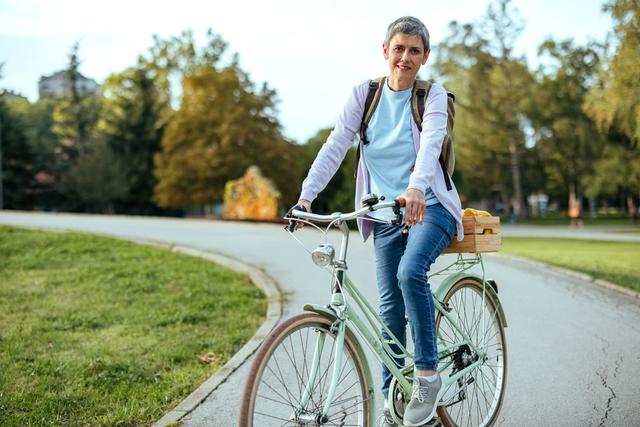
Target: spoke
450	328
282	376
482	378
274	400
493	371
496	330
494	384
345	361
279	395
296	364
321	381
305	368
271	416
293	363
284	386
339	402
343	393
476	392
348	407
484	395
477	316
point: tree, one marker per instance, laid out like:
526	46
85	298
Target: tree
97	178
134	113
615	101
222	127
505	28
567	140
74	121
16	157
492	88
74	116
171	60
614	105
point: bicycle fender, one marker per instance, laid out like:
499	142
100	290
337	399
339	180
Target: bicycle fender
448	283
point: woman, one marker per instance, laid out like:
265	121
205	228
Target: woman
400	161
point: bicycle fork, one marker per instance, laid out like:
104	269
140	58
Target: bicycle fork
298	415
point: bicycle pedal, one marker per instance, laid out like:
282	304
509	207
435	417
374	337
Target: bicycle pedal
435	422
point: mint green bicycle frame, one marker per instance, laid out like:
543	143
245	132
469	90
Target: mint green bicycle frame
368	325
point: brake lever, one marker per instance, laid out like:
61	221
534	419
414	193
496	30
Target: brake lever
398	213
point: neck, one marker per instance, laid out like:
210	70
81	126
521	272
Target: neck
397	84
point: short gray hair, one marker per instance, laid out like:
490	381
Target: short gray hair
408	25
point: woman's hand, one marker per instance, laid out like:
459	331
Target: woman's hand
307	206
414	209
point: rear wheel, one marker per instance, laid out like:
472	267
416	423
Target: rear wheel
281	371
476	398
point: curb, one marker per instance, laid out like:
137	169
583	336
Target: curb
274	311
575	274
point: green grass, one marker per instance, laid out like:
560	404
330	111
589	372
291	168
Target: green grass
616	262
97	331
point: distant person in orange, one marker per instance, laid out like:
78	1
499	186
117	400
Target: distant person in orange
576	217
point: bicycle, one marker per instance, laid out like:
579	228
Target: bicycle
312	369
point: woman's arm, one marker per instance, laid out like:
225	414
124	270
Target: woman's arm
434	128
334	150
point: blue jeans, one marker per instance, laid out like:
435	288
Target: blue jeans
402	263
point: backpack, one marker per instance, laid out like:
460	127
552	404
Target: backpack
419	95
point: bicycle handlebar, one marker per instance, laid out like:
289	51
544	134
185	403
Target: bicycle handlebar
338	216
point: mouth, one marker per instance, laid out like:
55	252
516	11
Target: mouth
403	67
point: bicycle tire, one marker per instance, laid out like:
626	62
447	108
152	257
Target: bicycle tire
471	406
269	400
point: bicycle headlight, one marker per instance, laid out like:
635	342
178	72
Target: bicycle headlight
323	255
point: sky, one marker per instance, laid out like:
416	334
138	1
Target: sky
311	52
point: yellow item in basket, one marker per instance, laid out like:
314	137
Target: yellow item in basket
474	212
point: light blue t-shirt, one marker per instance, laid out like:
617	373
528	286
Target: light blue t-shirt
390	154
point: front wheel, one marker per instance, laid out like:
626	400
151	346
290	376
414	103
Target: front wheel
476	398
281	372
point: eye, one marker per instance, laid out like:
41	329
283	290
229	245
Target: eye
397	49
416	51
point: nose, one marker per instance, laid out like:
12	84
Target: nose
405	55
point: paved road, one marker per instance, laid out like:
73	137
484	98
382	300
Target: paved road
574	348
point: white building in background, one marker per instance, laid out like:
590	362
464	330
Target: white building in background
58	84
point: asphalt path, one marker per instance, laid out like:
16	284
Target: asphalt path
573	347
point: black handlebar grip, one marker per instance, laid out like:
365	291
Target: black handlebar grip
292	224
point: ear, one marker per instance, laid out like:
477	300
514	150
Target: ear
425	57
385	52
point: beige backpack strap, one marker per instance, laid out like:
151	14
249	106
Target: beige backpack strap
419	97
448	149
370	105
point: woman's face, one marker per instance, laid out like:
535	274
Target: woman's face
405	54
